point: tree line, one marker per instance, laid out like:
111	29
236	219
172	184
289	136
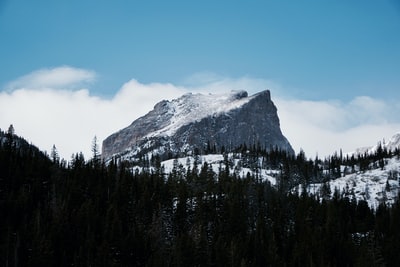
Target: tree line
86	213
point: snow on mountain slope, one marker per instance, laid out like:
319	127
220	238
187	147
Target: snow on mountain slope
374	186
216	163
391	145
193	107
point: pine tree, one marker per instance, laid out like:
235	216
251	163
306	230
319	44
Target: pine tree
95	151
54	155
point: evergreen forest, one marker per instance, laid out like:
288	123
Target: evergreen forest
87	213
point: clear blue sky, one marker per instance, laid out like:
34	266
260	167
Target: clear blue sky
317	49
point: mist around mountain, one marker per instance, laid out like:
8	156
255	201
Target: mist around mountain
245	207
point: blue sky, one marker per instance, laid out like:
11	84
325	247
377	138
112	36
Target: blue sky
319	51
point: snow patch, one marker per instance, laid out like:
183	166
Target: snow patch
194	107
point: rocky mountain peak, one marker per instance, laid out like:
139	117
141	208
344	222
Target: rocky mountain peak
195	120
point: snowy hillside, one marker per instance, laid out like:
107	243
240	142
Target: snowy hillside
217	163
374	186
379	183
376	182
391	145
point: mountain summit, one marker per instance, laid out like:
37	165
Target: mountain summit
197	121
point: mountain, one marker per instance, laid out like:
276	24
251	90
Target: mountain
391	145
200	122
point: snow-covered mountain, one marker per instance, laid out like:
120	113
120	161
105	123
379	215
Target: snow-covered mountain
197	121
391	145
195	128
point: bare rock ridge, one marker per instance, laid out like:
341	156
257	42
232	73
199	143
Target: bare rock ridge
194	121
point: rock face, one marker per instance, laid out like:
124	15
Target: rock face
194	121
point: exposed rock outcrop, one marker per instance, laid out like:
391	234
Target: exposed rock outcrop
194	120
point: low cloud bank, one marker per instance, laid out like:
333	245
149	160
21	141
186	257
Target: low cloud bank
323	127
53	106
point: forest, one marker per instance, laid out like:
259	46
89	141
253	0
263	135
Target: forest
84	212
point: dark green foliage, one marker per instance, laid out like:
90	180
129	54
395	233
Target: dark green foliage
89	214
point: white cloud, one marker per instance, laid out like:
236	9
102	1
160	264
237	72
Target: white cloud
323	127
70	119
64	77
210	82
45	110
